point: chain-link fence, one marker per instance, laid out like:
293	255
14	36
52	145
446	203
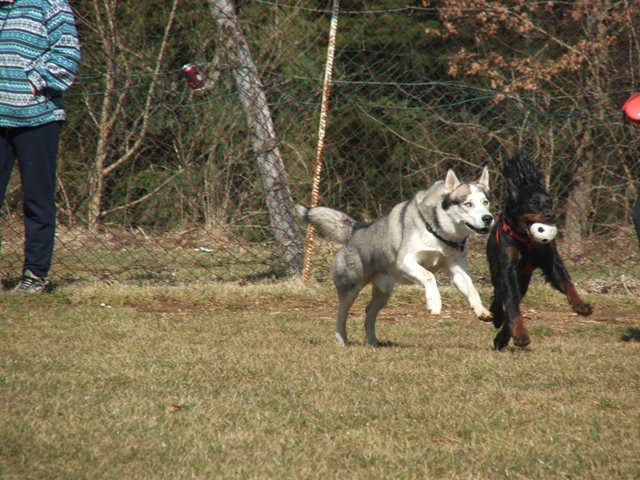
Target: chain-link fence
158	182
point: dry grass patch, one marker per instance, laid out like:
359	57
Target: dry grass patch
223	381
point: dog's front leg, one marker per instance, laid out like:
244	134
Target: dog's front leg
411	270
556	274
462	281
514	326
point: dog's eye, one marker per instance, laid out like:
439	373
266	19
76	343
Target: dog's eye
468	204
486	202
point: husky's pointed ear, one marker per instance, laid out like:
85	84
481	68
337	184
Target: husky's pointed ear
483	181
451	182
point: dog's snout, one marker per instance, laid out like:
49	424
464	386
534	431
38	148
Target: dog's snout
549	215
487	219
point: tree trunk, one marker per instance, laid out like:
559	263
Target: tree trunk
579	198
264	141
106	27
578	205
115	96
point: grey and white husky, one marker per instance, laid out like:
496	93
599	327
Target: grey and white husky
415	239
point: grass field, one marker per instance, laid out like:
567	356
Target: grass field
227	381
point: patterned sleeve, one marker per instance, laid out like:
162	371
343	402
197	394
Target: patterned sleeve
56	69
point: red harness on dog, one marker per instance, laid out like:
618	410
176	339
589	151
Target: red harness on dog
530	267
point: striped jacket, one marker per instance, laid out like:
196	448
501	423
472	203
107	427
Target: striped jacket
39	57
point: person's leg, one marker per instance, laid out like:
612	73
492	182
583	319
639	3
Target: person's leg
636	215
36	150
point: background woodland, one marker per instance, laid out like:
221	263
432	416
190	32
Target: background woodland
419	87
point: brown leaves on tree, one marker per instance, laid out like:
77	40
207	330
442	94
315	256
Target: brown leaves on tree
520	46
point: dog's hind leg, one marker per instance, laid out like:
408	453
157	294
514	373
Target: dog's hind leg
497	309
382	286
514	326
348	278
557	275
346	297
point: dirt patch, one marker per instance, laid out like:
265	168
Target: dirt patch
554	314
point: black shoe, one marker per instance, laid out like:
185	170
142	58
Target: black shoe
31	283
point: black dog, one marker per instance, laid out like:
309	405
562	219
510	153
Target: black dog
513	255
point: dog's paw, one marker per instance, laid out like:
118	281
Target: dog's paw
434	305
340	340
373	343
484	315
521	340
584	309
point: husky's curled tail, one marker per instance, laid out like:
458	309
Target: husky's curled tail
329	223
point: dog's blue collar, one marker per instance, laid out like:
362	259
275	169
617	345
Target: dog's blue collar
456	245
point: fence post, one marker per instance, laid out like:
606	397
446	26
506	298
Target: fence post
328	71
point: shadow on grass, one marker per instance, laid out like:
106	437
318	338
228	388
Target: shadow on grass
387	344
512	350
632	335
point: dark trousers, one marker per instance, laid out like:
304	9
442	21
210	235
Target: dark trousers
36	149
636	215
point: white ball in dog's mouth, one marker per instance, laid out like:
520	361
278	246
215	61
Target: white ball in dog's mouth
542	232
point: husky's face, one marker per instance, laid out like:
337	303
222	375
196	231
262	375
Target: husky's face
468	203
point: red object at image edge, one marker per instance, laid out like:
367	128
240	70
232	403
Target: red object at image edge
631	108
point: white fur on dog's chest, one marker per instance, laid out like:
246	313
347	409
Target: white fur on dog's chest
430	252
431	260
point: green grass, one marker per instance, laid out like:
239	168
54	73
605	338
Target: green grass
88	377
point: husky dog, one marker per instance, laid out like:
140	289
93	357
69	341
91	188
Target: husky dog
418	237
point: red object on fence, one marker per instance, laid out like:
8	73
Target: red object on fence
631	108
194	79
